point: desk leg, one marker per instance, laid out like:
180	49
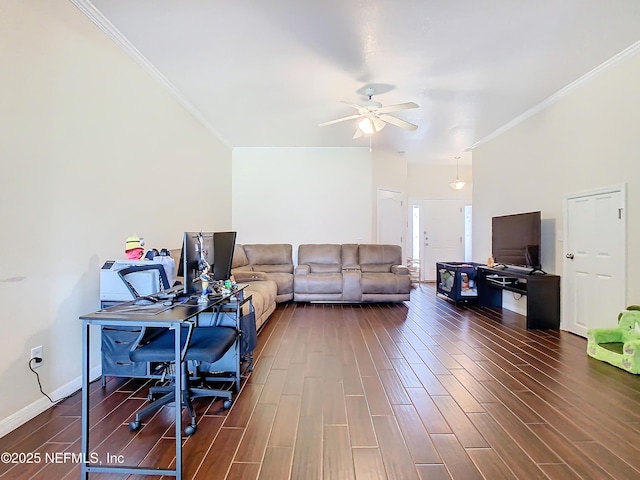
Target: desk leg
178	403
85	398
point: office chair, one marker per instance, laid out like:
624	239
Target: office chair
199	344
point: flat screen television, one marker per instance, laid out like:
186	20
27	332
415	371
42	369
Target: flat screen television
515	240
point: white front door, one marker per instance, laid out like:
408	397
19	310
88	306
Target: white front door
594	280
442	228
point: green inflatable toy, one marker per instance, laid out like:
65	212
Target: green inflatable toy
618	346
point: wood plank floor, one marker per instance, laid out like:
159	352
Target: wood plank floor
403	391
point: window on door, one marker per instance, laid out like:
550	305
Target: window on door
415	229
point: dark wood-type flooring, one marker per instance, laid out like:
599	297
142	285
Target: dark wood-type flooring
421	390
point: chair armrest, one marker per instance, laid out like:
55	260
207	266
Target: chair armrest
605	335
302	270
399	269
247	276
632	347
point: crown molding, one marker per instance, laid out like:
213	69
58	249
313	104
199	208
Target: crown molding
93	14
560	94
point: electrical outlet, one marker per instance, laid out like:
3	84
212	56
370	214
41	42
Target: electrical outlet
36	352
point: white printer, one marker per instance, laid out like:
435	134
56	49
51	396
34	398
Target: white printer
145	280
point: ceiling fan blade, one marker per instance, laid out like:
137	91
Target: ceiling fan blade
351	104
399	106
337	120
378	124
398	122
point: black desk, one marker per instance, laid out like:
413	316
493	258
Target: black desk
173	318
542	291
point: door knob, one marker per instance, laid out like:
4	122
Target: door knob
569	256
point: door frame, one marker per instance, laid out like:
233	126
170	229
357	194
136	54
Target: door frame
421	201
564	290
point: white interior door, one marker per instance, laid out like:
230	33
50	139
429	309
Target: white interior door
391	225
442	229
594	280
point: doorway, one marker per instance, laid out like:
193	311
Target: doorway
440	231
594	279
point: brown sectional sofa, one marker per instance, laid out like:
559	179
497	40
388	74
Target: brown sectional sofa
350	273
325	273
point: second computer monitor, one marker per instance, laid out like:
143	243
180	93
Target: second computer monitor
223	246
193	253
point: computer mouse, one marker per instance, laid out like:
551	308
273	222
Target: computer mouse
167	303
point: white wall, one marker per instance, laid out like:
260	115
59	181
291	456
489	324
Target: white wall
587	140
302	195
433	181
92	150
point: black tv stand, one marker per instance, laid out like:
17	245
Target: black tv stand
542	291
537	271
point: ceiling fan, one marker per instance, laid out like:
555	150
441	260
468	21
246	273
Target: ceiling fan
372	116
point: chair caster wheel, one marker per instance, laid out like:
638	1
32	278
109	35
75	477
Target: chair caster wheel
227	404
190	430
134	425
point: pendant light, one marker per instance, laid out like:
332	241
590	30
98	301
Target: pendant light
457	184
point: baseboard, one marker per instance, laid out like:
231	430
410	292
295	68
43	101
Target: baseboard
31	411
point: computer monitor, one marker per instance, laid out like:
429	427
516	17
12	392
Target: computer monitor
223	246
197	248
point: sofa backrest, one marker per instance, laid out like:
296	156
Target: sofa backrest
349	255
321	257
240	260
378	258
272	257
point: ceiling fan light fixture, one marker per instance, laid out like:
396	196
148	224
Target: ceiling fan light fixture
366	126
457	184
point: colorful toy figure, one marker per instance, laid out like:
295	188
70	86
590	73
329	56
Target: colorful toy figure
133	248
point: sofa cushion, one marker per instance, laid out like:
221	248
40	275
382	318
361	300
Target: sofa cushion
379	254
324	268
376	268
263	296
387	283
284	281
323	253
329	283
275	257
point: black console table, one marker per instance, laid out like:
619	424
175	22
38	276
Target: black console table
542	291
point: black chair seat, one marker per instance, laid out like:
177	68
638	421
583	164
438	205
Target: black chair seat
208	344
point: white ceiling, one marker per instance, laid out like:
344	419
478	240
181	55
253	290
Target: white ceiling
265	73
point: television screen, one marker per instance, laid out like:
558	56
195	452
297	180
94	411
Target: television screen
515	239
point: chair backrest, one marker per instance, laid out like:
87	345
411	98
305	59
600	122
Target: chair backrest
629	320
164	280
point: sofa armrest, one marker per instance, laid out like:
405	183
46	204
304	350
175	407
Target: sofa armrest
247	276
399	269
302	270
